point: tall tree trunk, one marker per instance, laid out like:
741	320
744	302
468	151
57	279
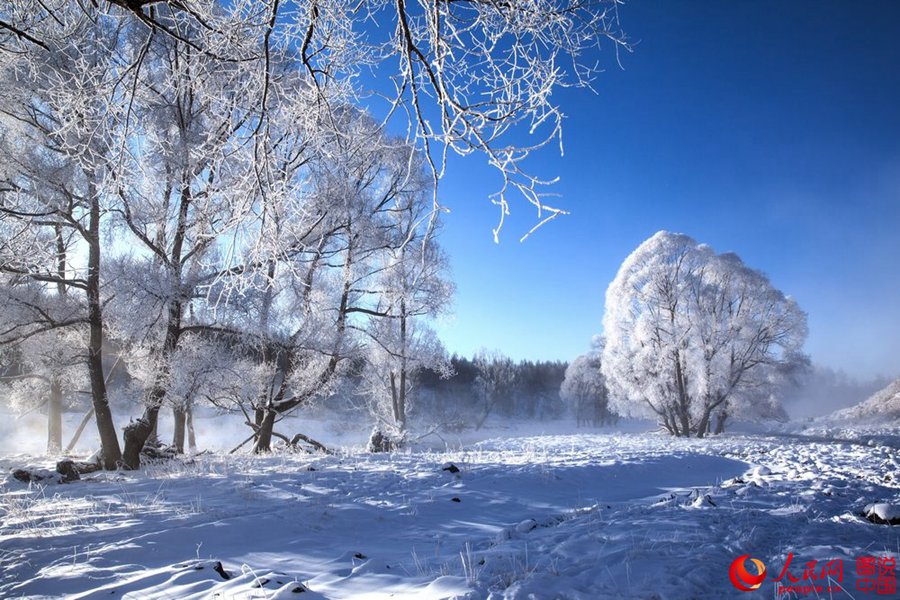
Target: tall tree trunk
189	420
683	410
271	358
136	434
720	421
395	403
55	404
401	399
179	415
265	418
54	418
674	420
111	453
153	438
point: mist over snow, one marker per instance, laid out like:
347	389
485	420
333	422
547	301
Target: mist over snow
822	391
882	408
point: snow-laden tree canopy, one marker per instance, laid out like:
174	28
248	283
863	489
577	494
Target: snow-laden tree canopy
690	332
464	77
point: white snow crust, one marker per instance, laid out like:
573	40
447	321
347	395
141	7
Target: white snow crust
563	516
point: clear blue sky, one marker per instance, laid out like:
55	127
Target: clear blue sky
771	129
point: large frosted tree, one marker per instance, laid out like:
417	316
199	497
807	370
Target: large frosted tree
690	332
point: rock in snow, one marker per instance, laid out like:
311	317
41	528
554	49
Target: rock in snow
883	513
526	525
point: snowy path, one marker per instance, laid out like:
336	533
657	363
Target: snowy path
560	516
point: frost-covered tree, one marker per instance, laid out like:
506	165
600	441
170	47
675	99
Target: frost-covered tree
584	391
496	381
46	372
365	251
184	188
411	287
57	164
689	330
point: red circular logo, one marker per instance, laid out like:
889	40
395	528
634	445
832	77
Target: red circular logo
741	577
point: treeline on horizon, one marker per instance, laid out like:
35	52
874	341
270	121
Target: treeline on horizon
473	390
488	386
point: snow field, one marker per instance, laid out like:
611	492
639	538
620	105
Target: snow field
564	516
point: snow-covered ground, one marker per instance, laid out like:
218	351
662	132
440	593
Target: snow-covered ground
558	516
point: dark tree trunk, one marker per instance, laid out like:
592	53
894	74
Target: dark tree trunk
395	409
153	438
265	417
136	434
54	418
111	453
703	425
401	399
683	410
264	433
139	432
179	415
397	402
258	415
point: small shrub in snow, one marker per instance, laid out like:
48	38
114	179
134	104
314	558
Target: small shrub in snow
379	442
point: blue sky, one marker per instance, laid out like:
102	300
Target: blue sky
771	129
